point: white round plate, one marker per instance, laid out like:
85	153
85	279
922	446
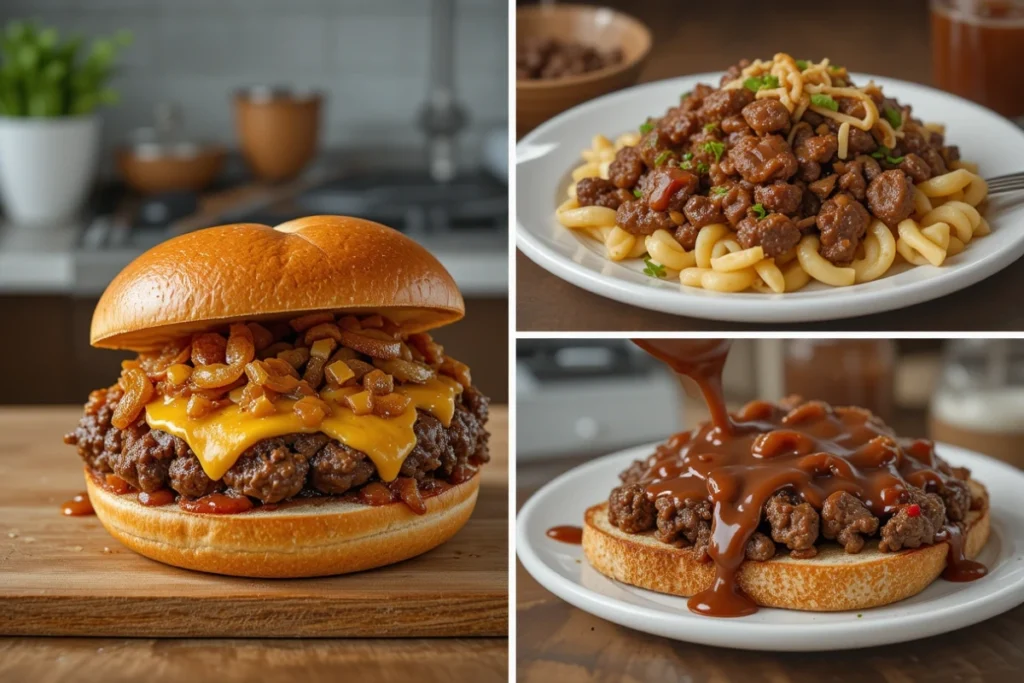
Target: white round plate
942	607
546	157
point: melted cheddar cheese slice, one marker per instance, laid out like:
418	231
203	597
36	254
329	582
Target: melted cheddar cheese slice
218	440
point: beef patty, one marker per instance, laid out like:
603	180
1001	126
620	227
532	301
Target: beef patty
274	470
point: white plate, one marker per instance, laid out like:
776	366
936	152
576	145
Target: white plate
545	158
942	607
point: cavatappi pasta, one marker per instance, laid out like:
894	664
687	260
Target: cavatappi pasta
938	217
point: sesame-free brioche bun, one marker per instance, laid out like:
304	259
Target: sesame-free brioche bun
832	581
317	537
247	271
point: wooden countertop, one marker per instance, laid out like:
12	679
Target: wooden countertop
558	642
225	660
860	35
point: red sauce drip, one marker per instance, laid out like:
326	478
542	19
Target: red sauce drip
216	504
156	498
116	484
79	506
566	534
738	462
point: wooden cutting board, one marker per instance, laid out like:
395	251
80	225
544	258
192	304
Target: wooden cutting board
64	576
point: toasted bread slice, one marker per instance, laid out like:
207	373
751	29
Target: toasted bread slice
832	581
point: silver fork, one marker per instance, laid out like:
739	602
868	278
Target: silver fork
1011	182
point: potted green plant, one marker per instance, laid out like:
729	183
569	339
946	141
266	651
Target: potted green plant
49	130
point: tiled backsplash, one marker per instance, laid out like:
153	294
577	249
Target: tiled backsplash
370	56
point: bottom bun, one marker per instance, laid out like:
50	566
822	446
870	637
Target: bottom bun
832	581
318	537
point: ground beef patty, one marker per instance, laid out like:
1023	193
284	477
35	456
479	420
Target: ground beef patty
274	469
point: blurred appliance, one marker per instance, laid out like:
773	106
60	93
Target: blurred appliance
851	372
579	396
979	403
278	129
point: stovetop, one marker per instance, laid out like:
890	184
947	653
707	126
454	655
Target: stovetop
472	209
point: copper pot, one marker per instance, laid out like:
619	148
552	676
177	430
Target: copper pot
278	130
153	167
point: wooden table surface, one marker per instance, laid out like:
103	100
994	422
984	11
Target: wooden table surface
860	35
558	642
225	660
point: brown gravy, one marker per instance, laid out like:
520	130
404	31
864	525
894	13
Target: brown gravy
566	534
739	461
79	506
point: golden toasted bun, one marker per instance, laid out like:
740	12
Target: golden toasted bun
253	272
830	582
320	538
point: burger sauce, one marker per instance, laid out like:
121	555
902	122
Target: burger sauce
566	534
739	461
79	506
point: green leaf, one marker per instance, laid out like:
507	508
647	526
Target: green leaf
802	64
662	158
719	190
637	193
653	269
759	211
646	127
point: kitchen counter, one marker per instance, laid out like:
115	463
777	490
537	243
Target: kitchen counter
696	41
48	260
226	660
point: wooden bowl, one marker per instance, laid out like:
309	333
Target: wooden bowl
600	27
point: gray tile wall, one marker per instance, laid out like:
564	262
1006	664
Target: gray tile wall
370	56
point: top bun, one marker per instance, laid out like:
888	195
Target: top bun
247	271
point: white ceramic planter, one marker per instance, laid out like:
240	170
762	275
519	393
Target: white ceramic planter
46	166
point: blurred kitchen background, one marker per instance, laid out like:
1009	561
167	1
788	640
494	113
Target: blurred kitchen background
193	113
578	399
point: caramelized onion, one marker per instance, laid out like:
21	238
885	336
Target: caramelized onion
311	410
138	391
156	365
322	331
375	348
216	375
261	336
208	348
303	323
390	405
432	352
378	383
240	349
458	371
295	357
405	370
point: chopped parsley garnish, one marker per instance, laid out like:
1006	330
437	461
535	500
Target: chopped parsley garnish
684	95
714	147
688	156
884	152
755	83
834	67
702	168
719	190
662	158
759	211
686	165
710	126
646	127
824	101
637	193
653	269
802	64
893	116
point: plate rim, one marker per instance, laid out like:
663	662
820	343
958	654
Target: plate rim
742	307
741	633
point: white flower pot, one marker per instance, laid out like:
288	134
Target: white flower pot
46	166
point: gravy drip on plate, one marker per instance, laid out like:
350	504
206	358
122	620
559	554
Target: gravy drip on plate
738	461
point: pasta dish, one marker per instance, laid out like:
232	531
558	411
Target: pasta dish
785	173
